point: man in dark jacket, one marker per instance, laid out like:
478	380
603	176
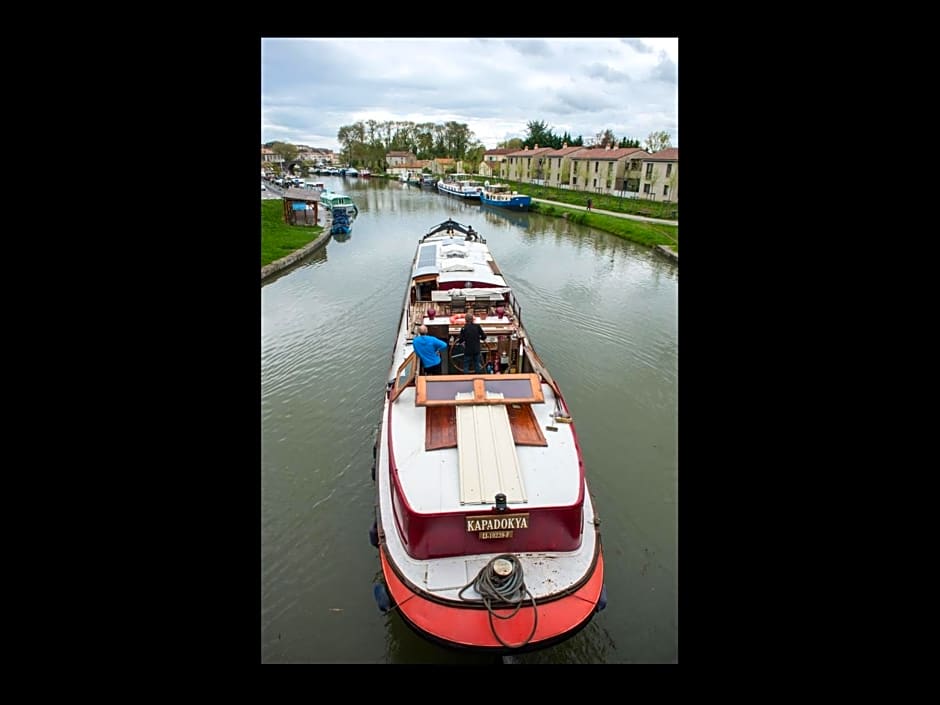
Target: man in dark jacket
472	335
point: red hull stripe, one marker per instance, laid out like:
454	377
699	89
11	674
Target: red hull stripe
470	626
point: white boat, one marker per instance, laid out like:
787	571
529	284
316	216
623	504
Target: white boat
460	185
486	530
330	199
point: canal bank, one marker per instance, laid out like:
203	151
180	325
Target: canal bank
667	250
279	265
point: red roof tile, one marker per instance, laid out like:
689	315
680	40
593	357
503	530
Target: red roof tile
665	155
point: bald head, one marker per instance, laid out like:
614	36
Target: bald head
422	329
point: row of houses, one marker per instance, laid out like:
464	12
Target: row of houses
599	170
315	155
629	170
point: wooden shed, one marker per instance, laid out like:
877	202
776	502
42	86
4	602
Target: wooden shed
301	206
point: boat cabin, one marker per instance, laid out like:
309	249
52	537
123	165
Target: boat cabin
454	276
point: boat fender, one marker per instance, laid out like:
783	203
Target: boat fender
602	601
374	534
382	599
458	319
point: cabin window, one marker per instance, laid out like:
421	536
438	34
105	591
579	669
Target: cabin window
666	190
649	171
513	388
668	169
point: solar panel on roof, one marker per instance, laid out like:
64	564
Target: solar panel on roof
428	256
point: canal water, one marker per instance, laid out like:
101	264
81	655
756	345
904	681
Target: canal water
603	313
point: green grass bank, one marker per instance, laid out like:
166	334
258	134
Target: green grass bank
278	239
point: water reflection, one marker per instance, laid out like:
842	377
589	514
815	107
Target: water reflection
498	216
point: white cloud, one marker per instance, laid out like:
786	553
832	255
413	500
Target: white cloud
311	87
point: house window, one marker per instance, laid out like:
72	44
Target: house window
574	180
668	170
595	183
649	171
666	190
596	164
646	188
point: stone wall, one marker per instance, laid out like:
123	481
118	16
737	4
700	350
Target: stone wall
281	264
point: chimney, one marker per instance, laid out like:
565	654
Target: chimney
564	145
536	145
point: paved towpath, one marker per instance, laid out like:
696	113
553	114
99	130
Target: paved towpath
628	216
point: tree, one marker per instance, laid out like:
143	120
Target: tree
539	134
457	139
626	143
673	180
287	152
424	140
605	139
514	143
657	141
653	181
474	156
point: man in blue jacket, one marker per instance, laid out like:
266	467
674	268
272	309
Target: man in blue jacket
428	347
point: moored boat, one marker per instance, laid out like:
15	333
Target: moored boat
340	220
340	209
331	199
503	196
487	533
460	185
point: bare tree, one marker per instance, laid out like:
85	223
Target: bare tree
605	139
658	141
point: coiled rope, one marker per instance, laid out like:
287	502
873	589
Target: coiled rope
504	590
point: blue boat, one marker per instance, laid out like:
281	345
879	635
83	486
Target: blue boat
502	196
341	220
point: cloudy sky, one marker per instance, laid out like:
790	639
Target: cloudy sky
310	87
